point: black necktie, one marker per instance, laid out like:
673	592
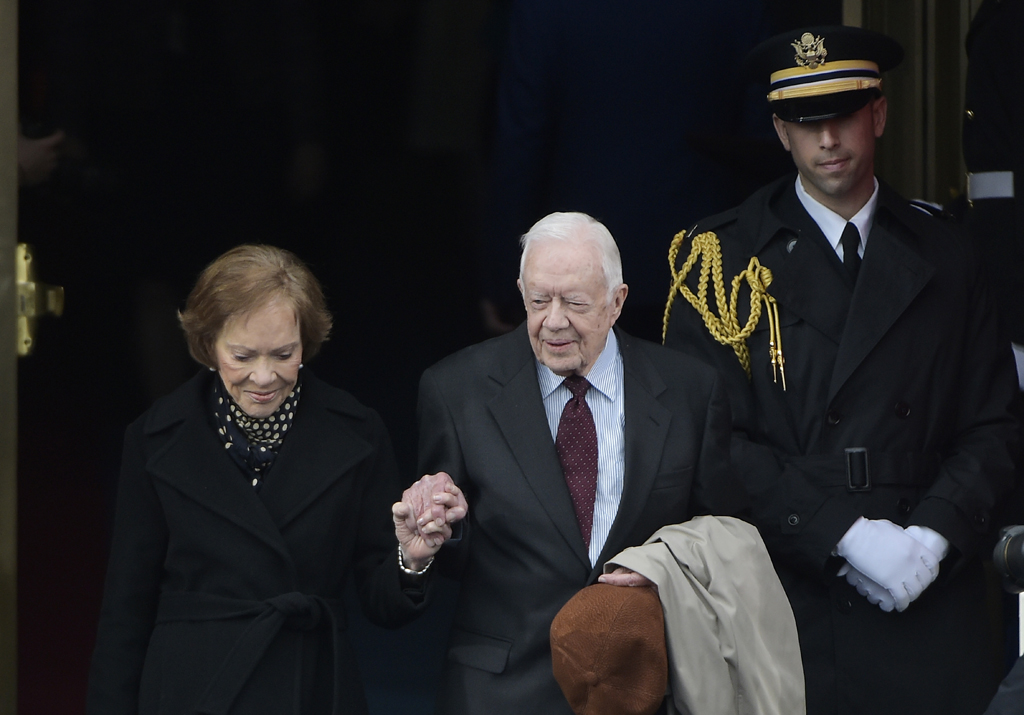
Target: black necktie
851	246
576	444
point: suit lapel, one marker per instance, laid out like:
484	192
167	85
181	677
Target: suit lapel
647	425
193	462
519	412
891	276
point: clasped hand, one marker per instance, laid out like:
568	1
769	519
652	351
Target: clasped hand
424	517
886	564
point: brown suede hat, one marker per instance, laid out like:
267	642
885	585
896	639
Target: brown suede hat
608	651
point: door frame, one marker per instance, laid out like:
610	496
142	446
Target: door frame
8	357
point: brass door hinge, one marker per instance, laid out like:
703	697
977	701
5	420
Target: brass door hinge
35	299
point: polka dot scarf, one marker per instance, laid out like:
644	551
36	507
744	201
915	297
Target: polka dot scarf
252	442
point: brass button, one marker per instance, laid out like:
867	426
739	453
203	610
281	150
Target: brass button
969	113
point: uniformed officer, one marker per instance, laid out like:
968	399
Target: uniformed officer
993	142
869	392
993	138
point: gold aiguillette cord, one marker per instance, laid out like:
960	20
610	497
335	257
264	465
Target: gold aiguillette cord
775	341
725	326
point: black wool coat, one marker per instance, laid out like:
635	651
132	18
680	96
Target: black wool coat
222	600
904	362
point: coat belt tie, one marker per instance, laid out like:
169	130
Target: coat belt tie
890	469
293	611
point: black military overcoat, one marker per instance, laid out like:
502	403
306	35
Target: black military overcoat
905	363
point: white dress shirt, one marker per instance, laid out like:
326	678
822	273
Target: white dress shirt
832	224
605	400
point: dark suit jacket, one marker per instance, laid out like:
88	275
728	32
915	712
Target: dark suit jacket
906	363
522	557
222	600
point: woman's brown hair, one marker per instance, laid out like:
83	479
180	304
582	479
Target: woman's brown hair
244	279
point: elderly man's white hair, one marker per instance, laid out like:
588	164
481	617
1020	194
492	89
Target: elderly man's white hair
579	228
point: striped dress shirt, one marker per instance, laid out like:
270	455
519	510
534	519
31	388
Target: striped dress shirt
605	400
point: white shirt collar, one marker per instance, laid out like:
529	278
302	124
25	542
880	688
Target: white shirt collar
601	376
832	224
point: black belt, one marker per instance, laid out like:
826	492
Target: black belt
860	469
295	611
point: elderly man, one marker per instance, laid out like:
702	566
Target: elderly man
869	392
571	440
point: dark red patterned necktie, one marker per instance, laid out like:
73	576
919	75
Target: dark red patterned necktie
576	444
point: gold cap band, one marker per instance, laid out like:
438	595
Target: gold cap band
818	89
824	69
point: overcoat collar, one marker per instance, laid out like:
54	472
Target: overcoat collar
519	412
319	450
892	274
806	273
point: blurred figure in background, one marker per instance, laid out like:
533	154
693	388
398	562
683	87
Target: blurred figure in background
993	144
993	139
629	113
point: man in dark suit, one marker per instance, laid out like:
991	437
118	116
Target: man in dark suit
571	441
869	394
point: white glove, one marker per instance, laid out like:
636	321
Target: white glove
930	539
890	557
876	595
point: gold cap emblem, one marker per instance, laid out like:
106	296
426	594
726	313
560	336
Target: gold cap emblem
810	51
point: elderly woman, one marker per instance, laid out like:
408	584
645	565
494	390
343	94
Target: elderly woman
246	499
